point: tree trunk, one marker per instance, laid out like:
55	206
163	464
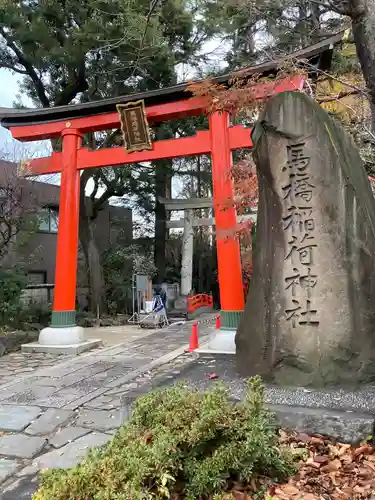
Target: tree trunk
92	256
363	26
163	178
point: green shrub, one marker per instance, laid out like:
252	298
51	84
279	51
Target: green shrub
12	284
34	316
120	261
178	442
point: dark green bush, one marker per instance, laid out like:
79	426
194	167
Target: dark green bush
178	442
34	316
12	283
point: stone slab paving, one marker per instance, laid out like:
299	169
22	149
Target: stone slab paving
52	417
19	364
67	435
20	489
21	446
7	468
100	420
17	418
49	422
68	456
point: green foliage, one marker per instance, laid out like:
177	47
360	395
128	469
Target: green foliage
12	283
178	442
33	316
14	313
97	47
120	261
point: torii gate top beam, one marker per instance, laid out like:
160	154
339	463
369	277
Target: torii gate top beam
239	137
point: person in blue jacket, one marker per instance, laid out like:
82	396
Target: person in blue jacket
159	291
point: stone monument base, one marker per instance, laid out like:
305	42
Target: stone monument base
66	340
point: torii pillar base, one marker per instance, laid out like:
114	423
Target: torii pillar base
221	343
181	303
64	340
223	339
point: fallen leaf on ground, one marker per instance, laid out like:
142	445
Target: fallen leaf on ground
365	449
147	437
304	438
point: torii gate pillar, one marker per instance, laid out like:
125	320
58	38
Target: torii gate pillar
228	248
64	336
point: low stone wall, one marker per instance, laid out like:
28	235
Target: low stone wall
87	320
12	341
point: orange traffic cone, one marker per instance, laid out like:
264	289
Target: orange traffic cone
218	323
193	338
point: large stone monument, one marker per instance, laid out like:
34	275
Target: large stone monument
310	312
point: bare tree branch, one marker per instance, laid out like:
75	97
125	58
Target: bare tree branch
338	96
18	202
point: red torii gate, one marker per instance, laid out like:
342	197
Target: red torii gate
219	141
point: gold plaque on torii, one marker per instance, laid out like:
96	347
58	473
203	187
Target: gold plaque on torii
134	126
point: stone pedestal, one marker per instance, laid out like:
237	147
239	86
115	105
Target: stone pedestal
310	314
221	343
65	340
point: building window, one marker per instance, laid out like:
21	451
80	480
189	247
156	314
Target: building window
49	220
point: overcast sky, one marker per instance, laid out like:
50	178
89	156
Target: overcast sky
9	148
8	91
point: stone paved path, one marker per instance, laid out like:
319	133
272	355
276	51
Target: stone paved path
18	364
52	416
